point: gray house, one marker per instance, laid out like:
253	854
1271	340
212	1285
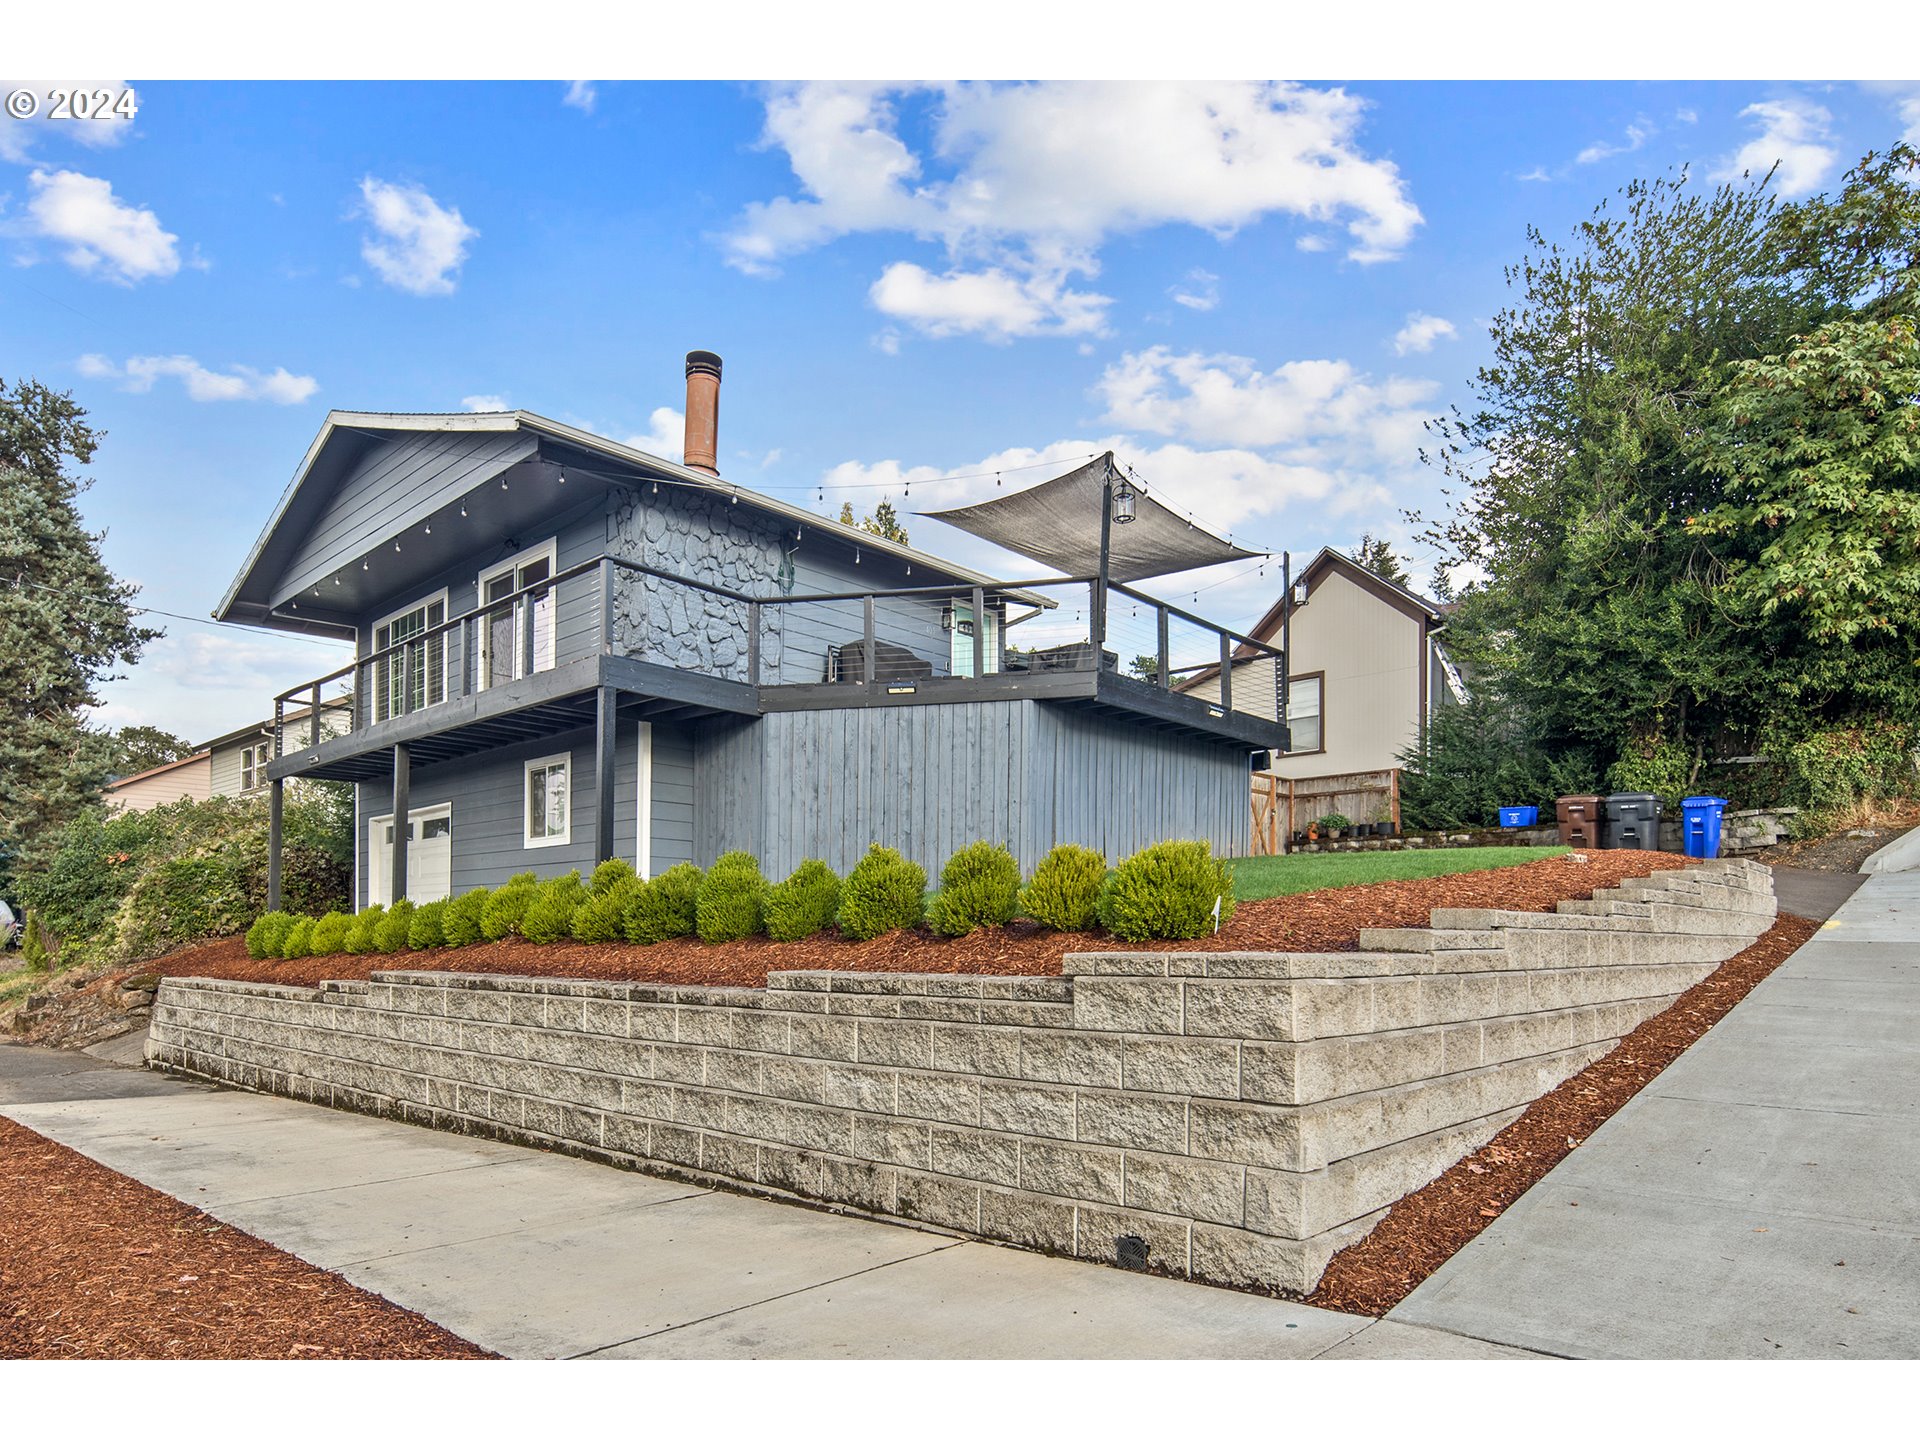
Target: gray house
569	650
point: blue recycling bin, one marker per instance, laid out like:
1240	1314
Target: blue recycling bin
1700	815
1515	817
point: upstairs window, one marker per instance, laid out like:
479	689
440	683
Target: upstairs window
414	675
253	765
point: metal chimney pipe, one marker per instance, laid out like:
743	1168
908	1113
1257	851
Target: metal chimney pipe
703	412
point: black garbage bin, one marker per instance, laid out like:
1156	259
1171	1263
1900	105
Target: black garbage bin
1633	822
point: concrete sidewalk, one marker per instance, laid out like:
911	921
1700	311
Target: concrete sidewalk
536	1255
1761	1197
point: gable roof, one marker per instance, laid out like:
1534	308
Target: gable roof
120	781
344	438
1267	628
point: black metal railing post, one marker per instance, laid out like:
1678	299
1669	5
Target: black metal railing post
605	569
753	642
1226	671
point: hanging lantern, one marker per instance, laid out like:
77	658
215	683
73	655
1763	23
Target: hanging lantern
1123	503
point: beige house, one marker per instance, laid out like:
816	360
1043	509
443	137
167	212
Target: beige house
188	779
1365	670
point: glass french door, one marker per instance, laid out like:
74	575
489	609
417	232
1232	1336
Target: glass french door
503	636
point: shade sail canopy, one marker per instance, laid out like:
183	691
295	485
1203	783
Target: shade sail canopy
1057	523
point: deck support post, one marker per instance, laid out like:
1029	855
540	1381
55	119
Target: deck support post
402	826
276	804
605	731
979	632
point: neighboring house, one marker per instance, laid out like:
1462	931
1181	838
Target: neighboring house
1365	671
567	650
240	759
188	779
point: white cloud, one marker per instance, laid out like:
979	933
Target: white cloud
100	128
666	434
1687	117
1793	135
1312	244
1227	400
991	304
1419	333
1637	135
1029	180
417	244
238	382
103	234
484	402
1200	292
581	95
1537	174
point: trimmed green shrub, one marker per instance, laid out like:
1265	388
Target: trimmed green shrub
604	916
461	923
299	942
267	934
390	933
664	907
1167	892
502	911
330	933
549	915
803	904
979	886
727	904
190	898
425	932
1064	893
362	934
609	873
886	891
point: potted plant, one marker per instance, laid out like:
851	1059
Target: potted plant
1335	824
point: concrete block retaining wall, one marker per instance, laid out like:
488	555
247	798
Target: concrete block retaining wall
1245	1114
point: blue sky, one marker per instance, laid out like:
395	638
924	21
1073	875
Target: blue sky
1254	291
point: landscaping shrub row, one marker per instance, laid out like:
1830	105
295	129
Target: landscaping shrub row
1172	891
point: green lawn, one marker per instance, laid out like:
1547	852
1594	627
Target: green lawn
1261	877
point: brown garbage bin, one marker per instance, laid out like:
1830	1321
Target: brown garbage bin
1579	817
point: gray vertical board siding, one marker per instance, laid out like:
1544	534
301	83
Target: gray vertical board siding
397	483
489	807
825	565
224	765
925	780
1117	786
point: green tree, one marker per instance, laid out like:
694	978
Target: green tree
1648	419
884	521
65	622
1377	556
1146	667
142	747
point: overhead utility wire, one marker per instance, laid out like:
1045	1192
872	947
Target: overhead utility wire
21	581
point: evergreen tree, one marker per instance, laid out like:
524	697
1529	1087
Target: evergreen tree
1378	556
65	622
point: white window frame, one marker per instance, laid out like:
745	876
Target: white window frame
425	602
549	548
528	839
1319	712
254	758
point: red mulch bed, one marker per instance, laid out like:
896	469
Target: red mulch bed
94	1266
1428	1227
1319	920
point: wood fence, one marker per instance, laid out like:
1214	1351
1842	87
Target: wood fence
1282	806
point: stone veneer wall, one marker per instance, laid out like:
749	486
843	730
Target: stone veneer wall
1245	1114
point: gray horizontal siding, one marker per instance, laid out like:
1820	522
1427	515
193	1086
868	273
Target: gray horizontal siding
397	483
489	812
